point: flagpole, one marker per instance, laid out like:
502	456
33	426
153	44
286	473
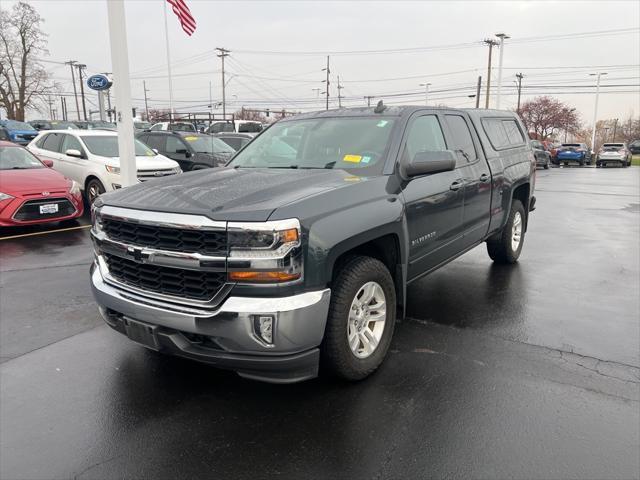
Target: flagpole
166	36
122	87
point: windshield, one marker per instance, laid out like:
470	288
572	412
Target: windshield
343	143
102	125
63	125
571	145
16	158
142	125
182	127
207	144
15	125
613	146
107	146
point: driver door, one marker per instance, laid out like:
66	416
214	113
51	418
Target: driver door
177	150
433	202
73	167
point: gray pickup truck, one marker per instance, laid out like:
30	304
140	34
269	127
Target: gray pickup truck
296	256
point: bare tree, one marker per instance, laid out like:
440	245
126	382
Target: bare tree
23	79
249	114
546	116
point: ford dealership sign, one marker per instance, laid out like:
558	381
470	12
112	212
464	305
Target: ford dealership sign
98	82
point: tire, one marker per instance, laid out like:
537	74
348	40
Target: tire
500	247
566	164
546	166
93	190
336	355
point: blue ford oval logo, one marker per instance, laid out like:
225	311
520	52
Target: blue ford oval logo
98	82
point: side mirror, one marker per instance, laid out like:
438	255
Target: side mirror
430	162
48	163
155	150
72	152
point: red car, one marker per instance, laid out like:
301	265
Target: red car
30	192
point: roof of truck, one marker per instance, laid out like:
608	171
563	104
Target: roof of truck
395	111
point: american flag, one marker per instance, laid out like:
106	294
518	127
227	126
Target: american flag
184	15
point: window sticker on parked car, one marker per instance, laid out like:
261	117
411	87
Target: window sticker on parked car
382	123
352	158
191	139
366	159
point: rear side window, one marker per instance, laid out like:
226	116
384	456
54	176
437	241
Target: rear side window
52	142
462	142
155	141
503	133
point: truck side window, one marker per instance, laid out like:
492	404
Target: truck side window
462	140
425	135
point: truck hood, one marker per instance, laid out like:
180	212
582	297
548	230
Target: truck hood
228	194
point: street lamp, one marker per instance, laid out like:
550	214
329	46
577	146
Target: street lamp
426	92
595	108
502	37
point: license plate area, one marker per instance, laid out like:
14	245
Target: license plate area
142	333
48	208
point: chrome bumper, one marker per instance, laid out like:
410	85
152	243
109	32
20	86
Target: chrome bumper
299	324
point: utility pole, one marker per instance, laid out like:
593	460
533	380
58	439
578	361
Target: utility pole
595	108
615	130
519	76
81	67
369	98
340	87
63	107
491	43
108	96
502	37
50	102
146	106
223	53
71	63
426	92
327	82
478	87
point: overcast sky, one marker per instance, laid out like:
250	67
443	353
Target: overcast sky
268	40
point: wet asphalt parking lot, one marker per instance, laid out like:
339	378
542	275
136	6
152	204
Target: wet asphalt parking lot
529	371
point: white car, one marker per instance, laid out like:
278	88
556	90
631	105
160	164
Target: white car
173	127
91	158
238	126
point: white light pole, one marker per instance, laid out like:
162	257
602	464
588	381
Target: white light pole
122	90
502	37
595	109
426	92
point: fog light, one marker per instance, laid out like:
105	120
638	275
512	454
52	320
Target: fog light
263	326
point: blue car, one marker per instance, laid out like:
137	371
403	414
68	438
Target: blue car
573	152
19	132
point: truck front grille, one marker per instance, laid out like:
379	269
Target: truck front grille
191	284
206	242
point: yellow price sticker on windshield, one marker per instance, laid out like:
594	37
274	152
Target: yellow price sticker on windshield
352	158
190	139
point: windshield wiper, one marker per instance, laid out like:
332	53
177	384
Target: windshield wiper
330	164
285	166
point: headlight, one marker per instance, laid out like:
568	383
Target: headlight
5	196
96	219
110	169
266	252
75	188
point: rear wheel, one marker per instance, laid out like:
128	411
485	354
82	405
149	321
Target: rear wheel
505	247
94	190
361	319
546	166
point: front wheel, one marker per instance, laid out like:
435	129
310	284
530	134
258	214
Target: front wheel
361	319
94	190
505	247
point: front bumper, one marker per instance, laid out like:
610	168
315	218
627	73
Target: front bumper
9	209
226	338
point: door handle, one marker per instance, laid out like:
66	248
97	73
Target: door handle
484	177
456	185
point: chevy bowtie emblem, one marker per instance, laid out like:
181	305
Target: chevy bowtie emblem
45	194
135	253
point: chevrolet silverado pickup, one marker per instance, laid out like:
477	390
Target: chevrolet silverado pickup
295	257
